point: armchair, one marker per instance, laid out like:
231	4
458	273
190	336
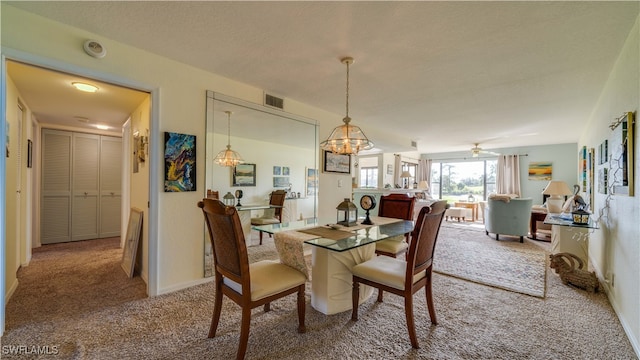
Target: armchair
506	216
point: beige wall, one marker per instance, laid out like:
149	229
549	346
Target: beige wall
139	187
180	90
614	249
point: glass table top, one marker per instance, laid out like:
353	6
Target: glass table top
565	219
362	235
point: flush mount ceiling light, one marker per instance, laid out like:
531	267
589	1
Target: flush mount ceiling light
347	139
102	127
228	157
84	86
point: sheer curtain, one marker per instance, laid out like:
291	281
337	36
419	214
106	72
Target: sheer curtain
424	171
397	169
508	175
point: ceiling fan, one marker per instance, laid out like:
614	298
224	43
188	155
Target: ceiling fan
476	151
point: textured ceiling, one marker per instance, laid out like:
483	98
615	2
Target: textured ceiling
446	74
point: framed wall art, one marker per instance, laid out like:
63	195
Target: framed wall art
243	175
540	170
134	231
336	163
311	181
621	166
179	162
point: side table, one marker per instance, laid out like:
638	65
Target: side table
569	237
533	225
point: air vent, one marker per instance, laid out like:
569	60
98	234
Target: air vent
273	101
414	144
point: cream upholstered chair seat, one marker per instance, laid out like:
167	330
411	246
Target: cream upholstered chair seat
392	245
268	278
386	270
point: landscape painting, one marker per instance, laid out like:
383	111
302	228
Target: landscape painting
540	170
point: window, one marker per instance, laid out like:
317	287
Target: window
369	177
459	180
413	170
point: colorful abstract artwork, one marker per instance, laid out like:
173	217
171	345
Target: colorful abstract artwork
540	170
179	162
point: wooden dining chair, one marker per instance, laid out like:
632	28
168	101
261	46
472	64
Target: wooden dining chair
211	194
274	214
399	206
248	285
405	277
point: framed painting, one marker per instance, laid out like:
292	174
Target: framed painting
311	181
243	175
134	231
277	170
179	162
621	166
280	181
540	170
337	163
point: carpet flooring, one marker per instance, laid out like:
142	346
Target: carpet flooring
91	310
466	254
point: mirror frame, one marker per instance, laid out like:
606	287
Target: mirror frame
211	147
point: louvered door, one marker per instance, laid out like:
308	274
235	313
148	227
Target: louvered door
86	185
56	187
110	186
81	186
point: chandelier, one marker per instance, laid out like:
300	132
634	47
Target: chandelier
228	157
347	139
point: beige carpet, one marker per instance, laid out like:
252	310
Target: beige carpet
464	252
92	311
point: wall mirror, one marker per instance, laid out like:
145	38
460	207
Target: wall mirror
282	149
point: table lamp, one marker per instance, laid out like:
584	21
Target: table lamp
556	189
423	185
405	175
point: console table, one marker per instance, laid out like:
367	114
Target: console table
569	237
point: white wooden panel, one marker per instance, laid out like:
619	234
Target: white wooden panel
109	215
56	161
110	164
85	217
85	162
55	225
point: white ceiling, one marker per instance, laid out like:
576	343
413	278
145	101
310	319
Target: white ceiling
446	74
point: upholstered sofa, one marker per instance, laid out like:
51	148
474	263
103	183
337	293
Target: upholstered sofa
507	216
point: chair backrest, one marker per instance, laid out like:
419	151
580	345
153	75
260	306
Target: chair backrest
277	198
227	240
423	240
213	194
399	206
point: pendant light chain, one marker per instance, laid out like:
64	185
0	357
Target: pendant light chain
228	129
347	106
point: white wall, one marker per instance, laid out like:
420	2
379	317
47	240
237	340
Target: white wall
615	249
266	155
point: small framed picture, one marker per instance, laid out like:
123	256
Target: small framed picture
244	175
337	163
277	170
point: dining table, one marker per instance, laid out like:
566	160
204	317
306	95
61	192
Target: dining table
335	250
244	213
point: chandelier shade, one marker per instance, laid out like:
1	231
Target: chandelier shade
228	157
347	139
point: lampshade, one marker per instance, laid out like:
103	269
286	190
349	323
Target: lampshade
405	174
347	139
228	157
423	185
556	189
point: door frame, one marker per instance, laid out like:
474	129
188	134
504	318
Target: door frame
154	151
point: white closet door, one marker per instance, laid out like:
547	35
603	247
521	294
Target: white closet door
86	176
56	187
110	186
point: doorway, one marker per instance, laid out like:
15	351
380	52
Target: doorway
24	80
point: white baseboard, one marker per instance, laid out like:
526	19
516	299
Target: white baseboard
10	291
186	285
